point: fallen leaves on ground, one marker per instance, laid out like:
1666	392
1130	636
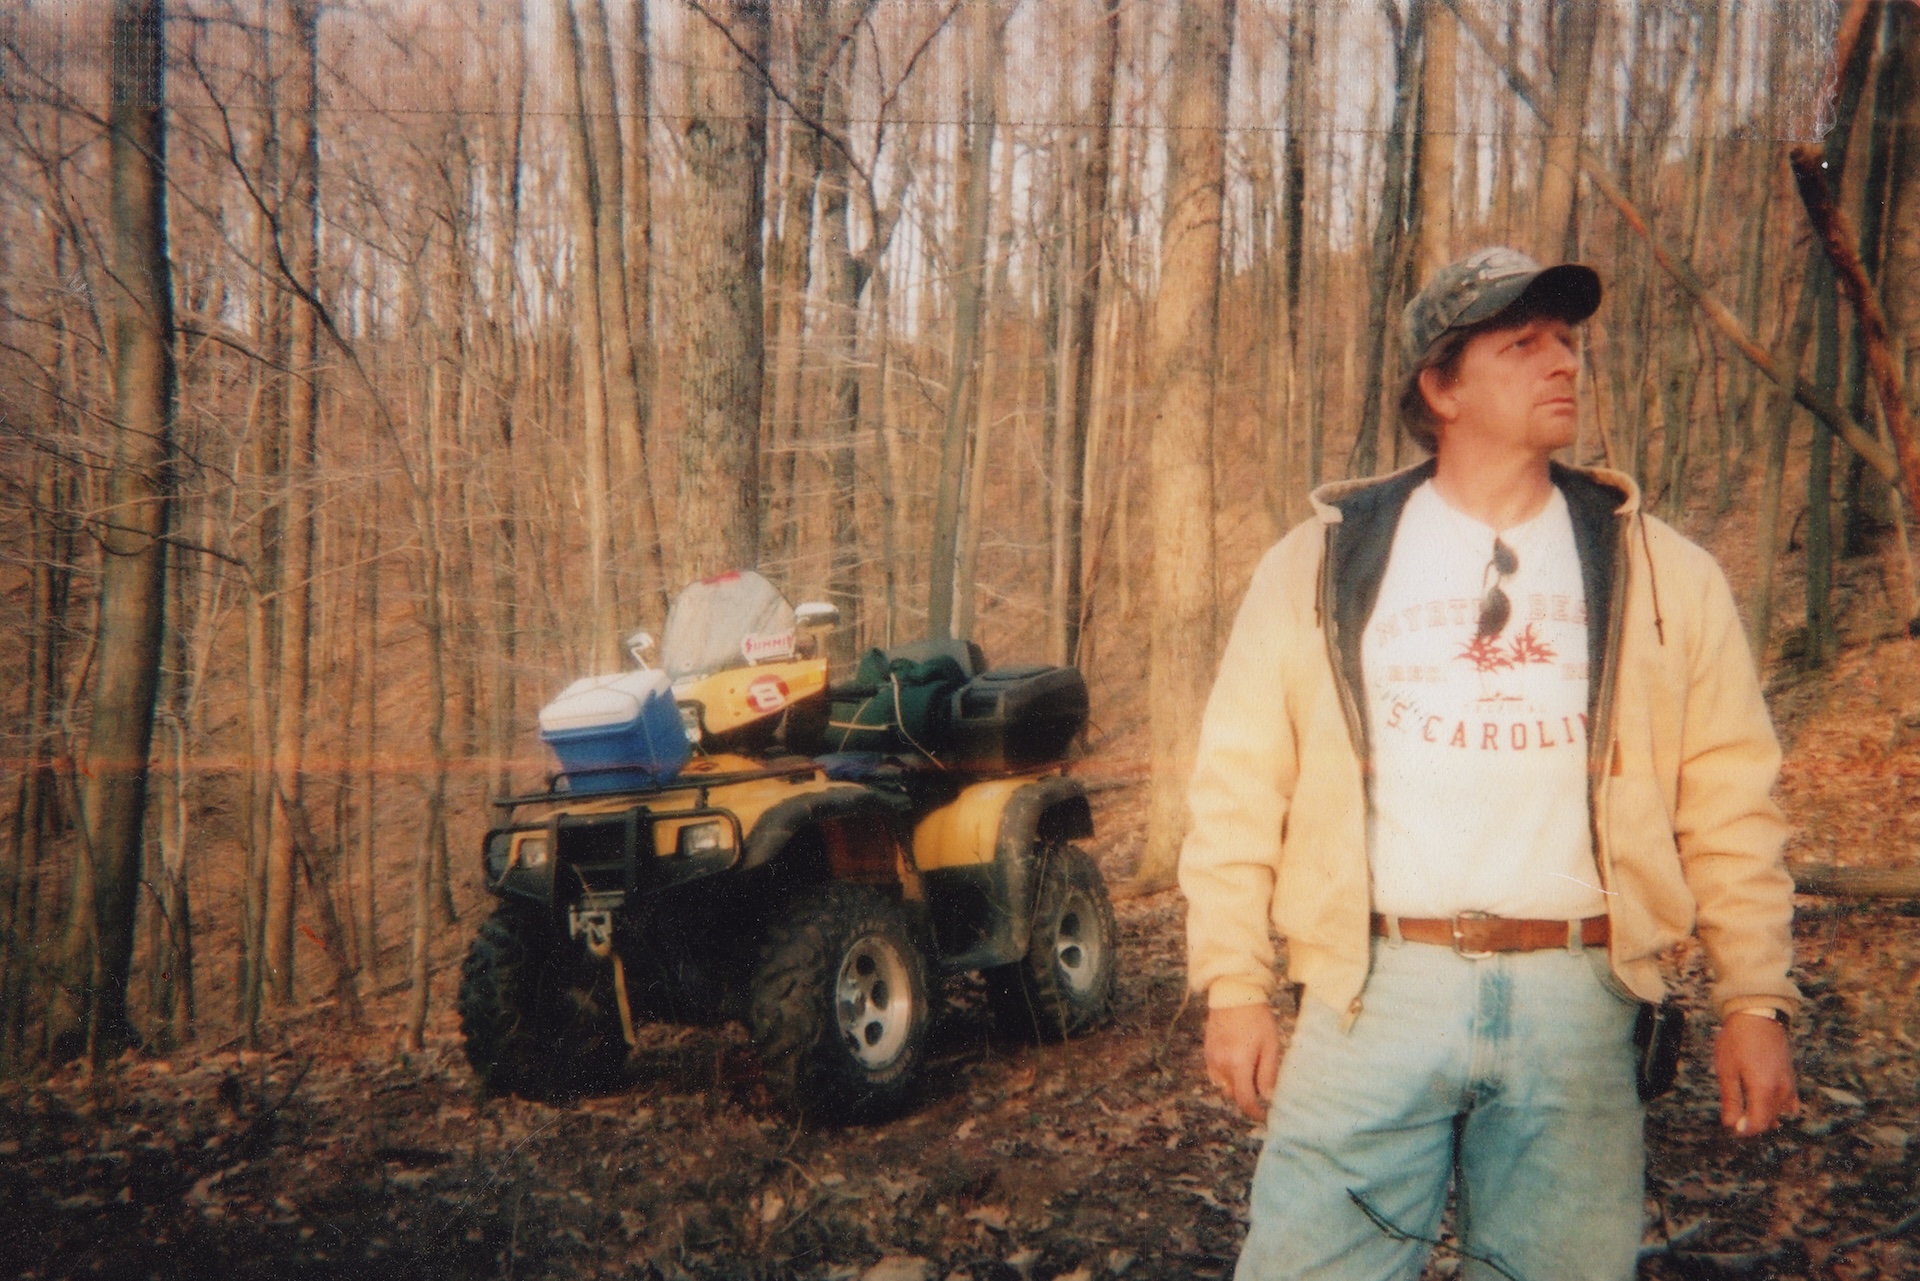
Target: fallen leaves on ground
327	1154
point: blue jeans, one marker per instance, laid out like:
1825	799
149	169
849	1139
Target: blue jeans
1510	1078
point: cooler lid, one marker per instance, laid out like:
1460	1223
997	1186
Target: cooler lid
602	702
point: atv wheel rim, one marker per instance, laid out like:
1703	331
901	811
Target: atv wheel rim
874	999
1078	947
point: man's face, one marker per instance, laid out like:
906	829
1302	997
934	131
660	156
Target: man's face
1514	390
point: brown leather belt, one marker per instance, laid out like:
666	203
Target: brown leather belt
1476	934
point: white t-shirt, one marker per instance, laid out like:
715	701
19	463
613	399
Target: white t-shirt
1479	745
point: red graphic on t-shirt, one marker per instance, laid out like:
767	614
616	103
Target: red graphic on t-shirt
1487	654
1529	648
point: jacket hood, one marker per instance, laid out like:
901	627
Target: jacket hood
1330	499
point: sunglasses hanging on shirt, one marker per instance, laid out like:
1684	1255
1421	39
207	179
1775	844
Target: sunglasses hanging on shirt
1495	608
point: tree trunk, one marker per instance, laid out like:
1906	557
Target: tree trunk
628	401
1683	357
1820	622
1437	125
433	837
1506	149
720	373
590	347
1070	613
1385	267
39	787
133	583
369	892
300	251
267	433
788	277
942	588
1574	25
170	933
1181	364
1870	324
1744	392
1767	529
638	155
502	711
1307	388
985	376
1900	271
843	285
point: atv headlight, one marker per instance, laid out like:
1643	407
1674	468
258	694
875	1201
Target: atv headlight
533	852
701	838
690	721
499	850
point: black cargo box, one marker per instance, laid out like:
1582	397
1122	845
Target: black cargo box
1015	718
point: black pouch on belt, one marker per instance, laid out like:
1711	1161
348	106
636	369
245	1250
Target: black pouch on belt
1659	1034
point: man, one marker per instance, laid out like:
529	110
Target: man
1486	738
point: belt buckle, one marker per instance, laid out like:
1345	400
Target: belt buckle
1458	949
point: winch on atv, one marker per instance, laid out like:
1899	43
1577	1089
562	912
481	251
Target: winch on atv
730	836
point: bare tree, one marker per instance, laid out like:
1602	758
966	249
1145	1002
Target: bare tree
720	371
1181	359
1067	617
1574	23
1386	267
132	534
984	18
586	209
299	250
845	279
629	403
1900	274
1437	76
788	273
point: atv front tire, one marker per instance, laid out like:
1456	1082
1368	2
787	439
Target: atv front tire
1063	986
839	1005
538	1021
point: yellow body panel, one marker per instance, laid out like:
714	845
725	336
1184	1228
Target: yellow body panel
963	832
742	695
748	800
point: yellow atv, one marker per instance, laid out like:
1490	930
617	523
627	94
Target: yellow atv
729	836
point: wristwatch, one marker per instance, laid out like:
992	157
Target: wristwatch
1775	1013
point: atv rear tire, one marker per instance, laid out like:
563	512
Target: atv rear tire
839	1005
538	1020
1063	986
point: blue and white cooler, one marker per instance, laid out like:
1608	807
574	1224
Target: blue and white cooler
614	732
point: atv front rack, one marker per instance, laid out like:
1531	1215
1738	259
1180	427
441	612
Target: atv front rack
788	768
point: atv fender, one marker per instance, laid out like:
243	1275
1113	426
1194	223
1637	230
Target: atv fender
864	830
981	893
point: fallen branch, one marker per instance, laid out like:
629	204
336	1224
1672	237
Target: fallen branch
1855	882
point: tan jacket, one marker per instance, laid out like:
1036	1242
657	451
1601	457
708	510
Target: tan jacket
1681	766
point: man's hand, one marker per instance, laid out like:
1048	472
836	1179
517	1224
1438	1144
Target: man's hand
1243	1055
1756	1073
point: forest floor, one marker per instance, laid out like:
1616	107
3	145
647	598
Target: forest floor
329	1153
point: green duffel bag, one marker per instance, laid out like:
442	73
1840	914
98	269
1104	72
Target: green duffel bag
894	705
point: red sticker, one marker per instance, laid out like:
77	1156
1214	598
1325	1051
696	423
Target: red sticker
767	694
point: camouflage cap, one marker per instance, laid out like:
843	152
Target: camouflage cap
1487	282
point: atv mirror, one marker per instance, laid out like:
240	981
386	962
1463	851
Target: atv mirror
640	644
817	615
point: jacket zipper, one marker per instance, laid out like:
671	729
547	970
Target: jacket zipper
1349	705
1350	708
1601	748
